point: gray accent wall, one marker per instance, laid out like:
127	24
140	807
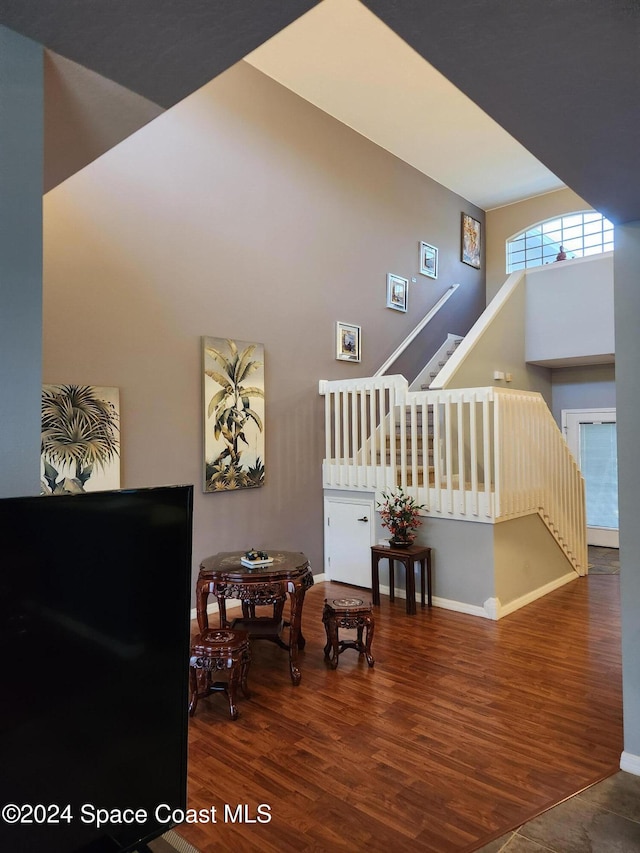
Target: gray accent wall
462	559
21	146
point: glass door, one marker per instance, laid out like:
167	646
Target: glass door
591	436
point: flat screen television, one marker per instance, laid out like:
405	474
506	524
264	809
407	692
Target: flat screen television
94	650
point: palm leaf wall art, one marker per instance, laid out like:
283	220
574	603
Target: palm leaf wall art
80	439
234	440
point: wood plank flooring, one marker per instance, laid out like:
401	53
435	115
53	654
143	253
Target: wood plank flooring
464	729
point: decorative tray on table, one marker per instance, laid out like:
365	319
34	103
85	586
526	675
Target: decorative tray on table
254	558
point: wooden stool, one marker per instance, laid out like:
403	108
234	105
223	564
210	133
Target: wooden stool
347	613
408	556
219	650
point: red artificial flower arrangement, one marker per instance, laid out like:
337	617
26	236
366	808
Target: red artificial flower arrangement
400	514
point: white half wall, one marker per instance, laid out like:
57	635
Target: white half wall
569	312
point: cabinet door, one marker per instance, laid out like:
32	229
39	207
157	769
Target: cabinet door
349	531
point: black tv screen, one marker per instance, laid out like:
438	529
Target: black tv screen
94	649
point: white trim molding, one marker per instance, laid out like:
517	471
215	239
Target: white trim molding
630	763
494	609
517	603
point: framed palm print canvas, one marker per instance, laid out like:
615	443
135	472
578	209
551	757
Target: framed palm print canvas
233	389
80	439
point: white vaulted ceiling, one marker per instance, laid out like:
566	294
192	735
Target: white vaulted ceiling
340	57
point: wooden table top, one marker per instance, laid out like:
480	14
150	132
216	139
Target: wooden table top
227	564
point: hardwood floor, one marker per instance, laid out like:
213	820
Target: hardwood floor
464	729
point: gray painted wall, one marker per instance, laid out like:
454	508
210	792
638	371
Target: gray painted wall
241	212
21	99
590	386
455	317
627	312
462	559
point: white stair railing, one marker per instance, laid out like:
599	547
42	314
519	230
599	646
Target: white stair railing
480	454
428	317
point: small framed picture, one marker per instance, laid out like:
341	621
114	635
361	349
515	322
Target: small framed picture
348	339
397	292
428	260
471	241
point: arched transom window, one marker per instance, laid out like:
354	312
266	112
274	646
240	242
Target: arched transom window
577	234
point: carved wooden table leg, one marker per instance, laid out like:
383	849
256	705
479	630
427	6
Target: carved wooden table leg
202	596
296	599
244	673
232	686
297	590
369	625
194	689
331	649
410	579
222	609
375	577
238	678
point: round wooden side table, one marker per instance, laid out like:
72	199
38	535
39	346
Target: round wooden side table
347	613
219	650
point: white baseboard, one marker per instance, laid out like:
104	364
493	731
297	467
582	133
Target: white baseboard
630	763
445	603
461	607
501	610
492	607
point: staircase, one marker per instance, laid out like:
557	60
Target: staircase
405	449
477	454
425	378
